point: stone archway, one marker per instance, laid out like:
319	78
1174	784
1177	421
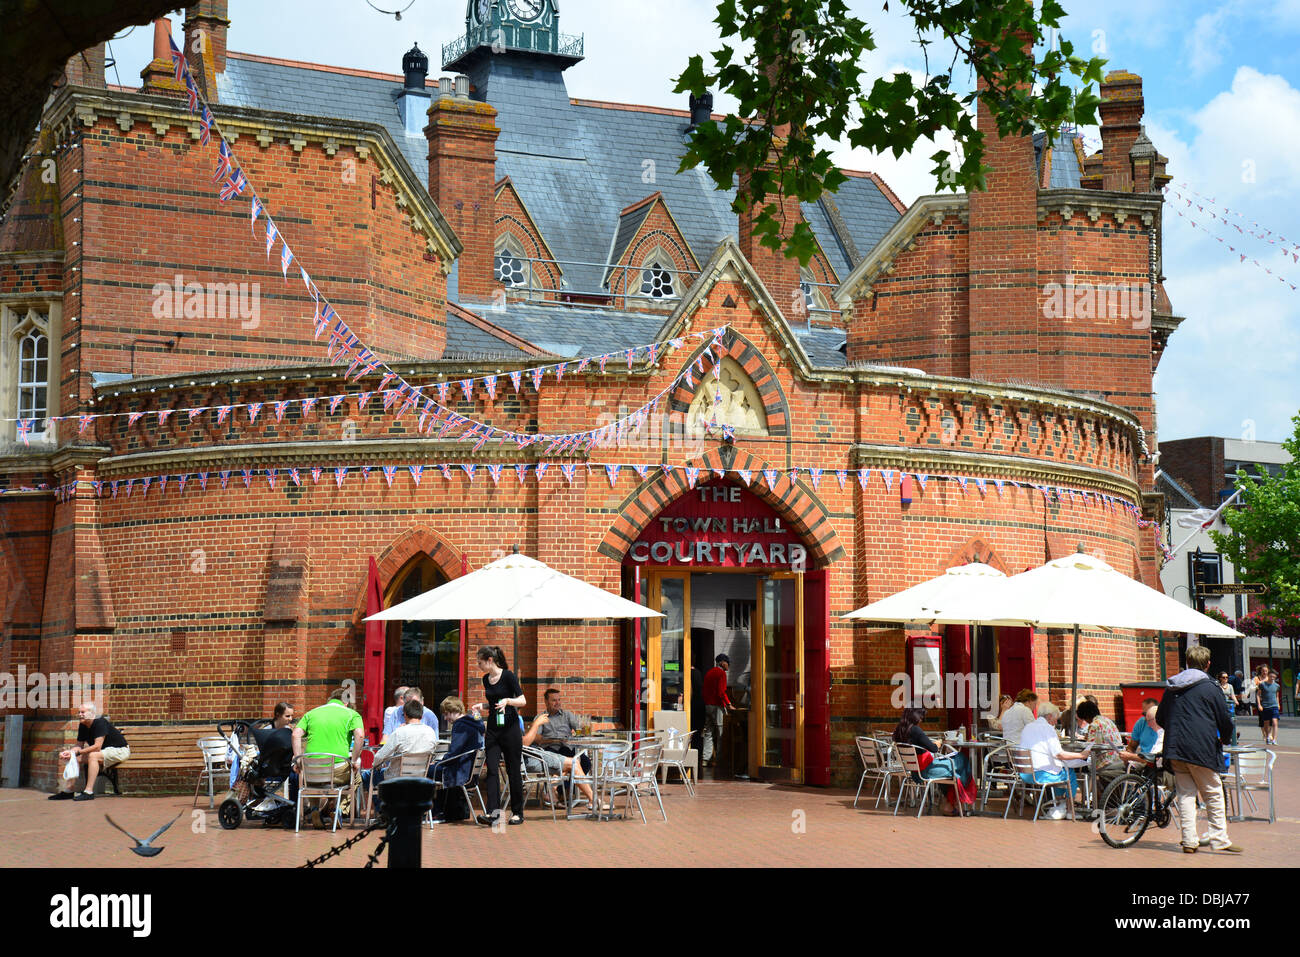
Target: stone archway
797	504
421	539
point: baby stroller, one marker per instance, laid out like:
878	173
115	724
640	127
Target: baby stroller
265	762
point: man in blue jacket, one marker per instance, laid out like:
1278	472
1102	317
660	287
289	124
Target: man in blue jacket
1195	718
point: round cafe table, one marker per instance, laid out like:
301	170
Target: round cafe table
602	751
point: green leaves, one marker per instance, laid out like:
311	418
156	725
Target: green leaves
1264	542
800	83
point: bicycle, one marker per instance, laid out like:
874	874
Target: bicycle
1130	804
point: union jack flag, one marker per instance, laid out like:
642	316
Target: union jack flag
521	473
611	471
286	257
272	234
537	375
491	382
467	388
315	475
417	472
652	351
559	371
389	472
113	486
495	472
225	477
745	475
222	412
203	481
816	477
257	210
308	405
583	363
516	378
411	400
181	480
362	399
692	475
334	402
193	92
195	413
162	416
178	61
133	417
541	468
603	360
130	487
146	482
270	477
82	422
365	473
248	477
162	484
253	409
630	354
469	470
841	476
383	383
280	408
569	470
205	125
233	186
770	476
446	471
224	162
340	474
294	477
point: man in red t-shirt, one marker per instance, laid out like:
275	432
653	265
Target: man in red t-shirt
716	706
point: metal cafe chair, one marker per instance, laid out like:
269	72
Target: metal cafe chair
316	780
1253	772
480	758
638	772
548	785
912	766
214	752
408	765
876	767
997	770
678	754
1023	763
606	756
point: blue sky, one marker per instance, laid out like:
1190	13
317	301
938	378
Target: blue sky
1222	89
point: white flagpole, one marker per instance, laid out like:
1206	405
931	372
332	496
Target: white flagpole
1206	524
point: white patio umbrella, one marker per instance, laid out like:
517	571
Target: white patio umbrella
962	595
968	595
515	588
1082	591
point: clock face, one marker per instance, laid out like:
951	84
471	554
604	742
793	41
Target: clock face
526	9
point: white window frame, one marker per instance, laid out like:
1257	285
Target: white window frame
18	321
660	260
508	245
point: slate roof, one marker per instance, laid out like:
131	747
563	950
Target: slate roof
1176	495
576	164
628	224
1065	162
823	347
467	341
575	330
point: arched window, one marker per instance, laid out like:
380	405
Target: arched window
657	277
27	339
423	654
512	267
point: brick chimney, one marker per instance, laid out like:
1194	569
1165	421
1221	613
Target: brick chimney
1121	124
205	29
779	273
1003	258
462	135
159	77
86	68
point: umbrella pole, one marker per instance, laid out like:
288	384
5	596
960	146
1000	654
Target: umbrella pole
1074	689
514	655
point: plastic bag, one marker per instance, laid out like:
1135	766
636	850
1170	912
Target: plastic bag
72	770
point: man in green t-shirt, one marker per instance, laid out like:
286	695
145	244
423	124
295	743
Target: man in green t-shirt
335	729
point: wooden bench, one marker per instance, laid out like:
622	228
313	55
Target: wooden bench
159	748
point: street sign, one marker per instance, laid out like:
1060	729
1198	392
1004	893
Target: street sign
1237	588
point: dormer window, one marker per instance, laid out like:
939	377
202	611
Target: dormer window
512	267
814	299
657	278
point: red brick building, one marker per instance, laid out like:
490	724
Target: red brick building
967	377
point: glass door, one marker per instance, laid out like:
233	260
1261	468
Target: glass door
667	653
776	721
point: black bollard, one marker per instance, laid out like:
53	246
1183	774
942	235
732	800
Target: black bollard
405	801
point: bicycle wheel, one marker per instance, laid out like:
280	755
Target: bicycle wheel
1125	810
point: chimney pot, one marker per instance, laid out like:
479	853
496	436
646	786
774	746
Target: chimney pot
444	86
416	67
701	109
462	87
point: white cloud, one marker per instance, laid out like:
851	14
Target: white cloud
1237	356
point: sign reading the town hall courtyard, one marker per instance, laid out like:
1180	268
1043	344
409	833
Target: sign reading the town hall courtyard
719	525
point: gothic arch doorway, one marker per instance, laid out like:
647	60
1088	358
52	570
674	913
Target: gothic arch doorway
423	654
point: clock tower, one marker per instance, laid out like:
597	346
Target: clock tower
530	27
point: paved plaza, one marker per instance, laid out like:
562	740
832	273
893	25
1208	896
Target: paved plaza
728	824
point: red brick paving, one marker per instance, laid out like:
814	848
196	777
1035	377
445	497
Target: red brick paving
728	824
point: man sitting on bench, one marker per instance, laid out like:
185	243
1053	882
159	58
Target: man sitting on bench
99	744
